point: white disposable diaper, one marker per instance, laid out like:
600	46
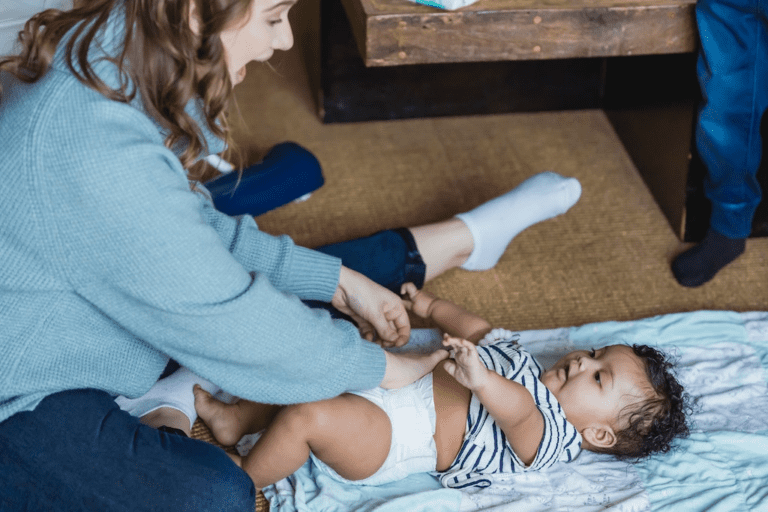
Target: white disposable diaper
411	411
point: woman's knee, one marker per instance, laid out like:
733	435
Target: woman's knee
225	487
237	492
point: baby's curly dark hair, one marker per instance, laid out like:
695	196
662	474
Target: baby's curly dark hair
656	422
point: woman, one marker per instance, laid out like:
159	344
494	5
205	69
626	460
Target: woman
117	261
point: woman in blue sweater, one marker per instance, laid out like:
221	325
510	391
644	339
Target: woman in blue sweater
115	260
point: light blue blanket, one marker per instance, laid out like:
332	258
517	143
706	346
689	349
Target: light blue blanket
722	359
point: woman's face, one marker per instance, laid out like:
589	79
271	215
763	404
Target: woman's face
264	30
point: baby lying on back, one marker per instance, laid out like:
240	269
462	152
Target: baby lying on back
487	409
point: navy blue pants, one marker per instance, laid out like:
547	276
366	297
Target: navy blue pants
733	73
78	451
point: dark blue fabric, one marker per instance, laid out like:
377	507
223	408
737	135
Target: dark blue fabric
77	451
286	173
389	258
733	73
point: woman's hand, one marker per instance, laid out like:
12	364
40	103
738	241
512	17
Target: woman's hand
374	308
466	367
418	301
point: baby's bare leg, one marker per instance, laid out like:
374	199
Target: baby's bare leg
229	423
349	433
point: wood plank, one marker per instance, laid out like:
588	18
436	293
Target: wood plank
351	92
397	32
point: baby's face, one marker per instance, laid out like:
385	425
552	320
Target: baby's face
594	386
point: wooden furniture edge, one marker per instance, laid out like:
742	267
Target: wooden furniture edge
391	34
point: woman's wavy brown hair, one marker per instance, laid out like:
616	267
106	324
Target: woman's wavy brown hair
162	60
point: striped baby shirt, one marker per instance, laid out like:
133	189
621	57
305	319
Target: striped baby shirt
485	449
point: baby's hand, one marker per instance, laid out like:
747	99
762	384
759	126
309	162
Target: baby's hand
417	300
466	366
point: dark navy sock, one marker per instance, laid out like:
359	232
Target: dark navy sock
699	264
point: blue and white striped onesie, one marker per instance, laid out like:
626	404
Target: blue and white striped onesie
485	449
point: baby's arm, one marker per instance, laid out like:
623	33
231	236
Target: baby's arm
510	404
449	317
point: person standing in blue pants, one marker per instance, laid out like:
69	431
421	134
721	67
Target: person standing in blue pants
733	74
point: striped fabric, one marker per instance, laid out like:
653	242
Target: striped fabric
485	449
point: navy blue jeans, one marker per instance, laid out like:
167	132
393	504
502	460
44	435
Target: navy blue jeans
733	73
78	451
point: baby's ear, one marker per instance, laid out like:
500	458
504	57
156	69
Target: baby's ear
599	436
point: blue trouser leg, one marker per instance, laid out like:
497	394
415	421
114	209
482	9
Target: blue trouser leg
733	73
286	173
389	258
78	451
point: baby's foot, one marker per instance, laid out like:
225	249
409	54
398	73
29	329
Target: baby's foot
222	419
495	223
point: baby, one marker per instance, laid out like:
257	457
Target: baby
487	409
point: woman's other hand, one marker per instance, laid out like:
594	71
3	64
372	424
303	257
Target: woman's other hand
375	309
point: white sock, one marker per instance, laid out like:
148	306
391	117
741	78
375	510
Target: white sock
174	391
495	223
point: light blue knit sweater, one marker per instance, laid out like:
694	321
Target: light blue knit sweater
109	264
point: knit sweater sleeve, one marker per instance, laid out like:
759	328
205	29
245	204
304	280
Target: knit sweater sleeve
298	270
131	238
